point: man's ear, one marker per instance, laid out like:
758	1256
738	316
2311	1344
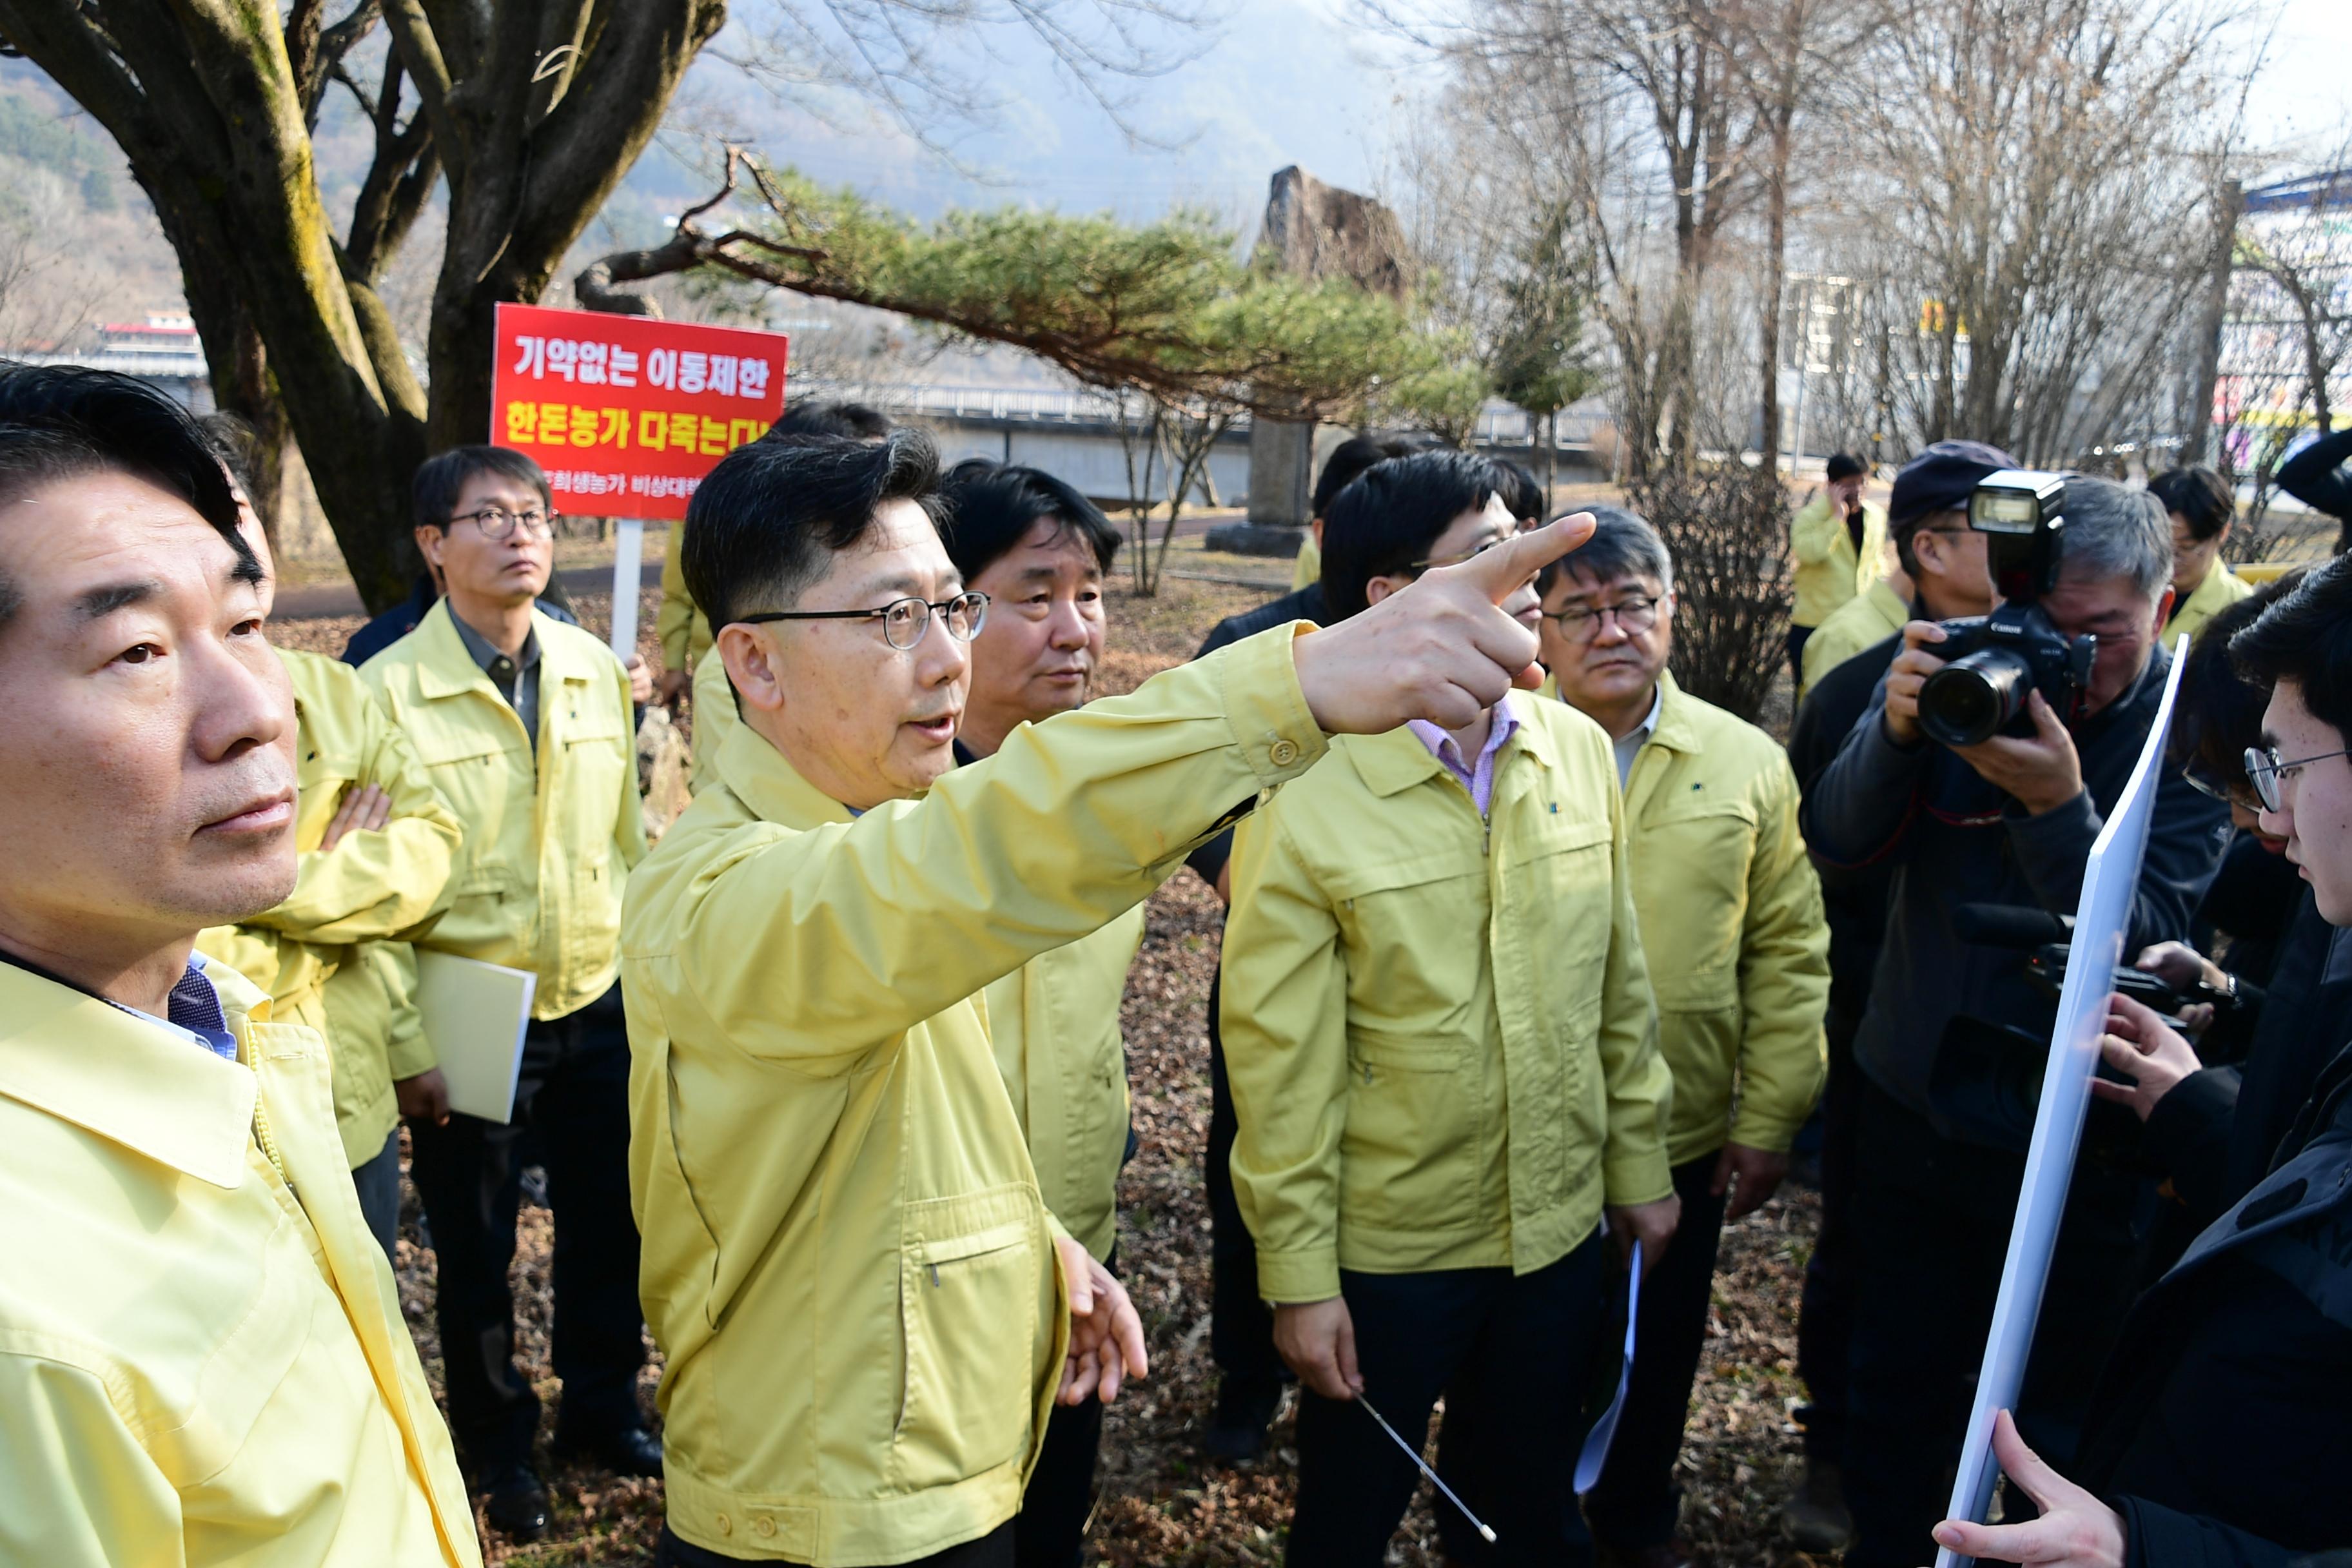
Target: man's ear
429	544
752	661
2163	609
1378	588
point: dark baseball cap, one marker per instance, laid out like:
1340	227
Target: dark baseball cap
1941	479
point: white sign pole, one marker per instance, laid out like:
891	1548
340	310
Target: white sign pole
2109	882
628	554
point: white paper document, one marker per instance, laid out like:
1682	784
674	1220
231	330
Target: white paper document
628	551
475	1014
1595	1453
2109	882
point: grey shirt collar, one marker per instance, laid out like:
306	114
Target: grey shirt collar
517	679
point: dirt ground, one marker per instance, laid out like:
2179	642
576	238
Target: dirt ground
1158	1503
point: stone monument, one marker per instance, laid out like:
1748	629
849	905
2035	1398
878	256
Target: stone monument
1315	231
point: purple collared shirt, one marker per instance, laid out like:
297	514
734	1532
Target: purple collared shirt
1478	777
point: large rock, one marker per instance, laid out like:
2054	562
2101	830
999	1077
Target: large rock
1313	230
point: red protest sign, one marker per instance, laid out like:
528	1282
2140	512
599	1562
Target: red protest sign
625	413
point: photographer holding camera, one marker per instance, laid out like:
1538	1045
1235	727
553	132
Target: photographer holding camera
2008	819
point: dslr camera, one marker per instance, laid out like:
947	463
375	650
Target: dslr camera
1997	660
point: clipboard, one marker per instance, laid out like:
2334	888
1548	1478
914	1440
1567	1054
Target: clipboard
476	1015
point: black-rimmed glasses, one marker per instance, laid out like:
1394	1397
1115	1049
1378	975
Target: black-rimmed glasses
497	522
1633	618
2264	768
904	621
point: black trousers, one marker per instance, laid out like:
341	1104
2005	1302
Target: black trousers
1241	1329
571	1113
1825	1313
993	1549
1511	1355
1931	1223
377	1181
1051	1529
1636	1503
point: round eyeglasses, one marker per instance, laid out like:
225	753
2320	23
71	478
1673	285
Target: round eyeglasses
904	621
2264	768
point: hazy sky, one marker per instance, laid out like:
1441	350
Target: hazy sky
1297	81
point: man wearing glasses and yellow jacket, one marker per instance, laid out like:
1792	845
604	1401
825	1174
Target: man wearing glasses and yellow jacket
526	728
1445	1069
865	1308
1731	918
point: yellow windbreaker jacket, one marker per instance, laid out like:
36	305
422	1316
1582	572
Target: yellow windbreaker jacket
1732	923
1437	1028
551	838
1054	1025
2220	590
846	1260
202	1355
1860	623
1829	570
714	716
307	953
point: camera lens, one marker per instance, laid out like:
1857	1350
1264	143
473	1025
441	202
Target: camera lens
1970	698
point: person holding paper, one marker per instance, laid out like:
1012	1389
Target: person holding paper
1039	550
525	727
2216	1436
202	1354
1446	1071
2009	821
866	1308
1731	922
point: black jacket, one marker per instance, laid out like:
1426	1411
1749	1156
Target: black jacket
1954	839
1853	898
2221	1427
2311	476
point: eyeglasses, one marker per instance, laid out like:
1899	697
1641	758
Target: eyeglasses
2199	777
497	522
904	621
1634	616
2264	768
1472	553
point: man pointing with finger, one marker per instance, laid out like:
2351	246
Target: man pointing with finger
865	1308
1445	1064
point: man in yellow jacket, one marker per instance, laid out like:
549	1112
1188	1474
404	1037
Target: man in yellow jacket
1446	1071
1039	550
1731	920
376	848
2203	509
202	1355
1840	543
865	1307
525	726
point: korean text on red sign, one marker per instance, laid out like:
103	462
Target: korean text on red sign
624	414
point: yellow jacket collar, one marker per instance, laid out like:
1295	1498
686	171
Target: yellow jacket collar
763	780
447	667
1392	763
85	1061
1677	732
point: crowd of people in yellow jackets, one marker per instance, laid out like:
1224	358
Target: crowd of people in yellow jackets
1522	980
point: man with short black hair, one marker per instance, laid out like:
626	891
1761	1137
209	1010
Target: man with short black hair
526	728
1731	923
1039	550
2202	508
2008	821
1250	1374
203	1359
866	1308
1349	459
1444	1066
684	630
